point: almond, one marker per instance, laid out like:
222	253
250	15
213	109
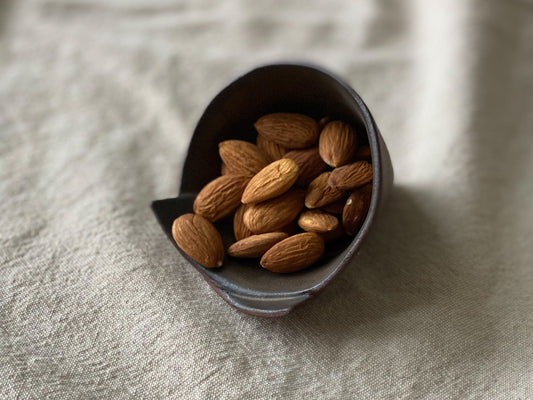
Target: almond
351	176
310	163
255	245
272	181
363	154
270	149
220	197
294	253
319	193
288	129
241	158
199	239
318	221
356	209
337	143
240	230
274	214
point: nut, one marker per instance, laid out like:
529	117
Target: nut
351	176
274	214
255	245
294	253
337	143
288	129
318	221
199	239
241	158
272	181
356	208
220	196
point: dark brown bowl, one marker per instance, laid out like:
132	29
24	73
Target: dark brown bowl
273	88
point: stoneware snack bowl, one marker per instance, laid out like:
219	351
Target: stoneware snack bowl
274	88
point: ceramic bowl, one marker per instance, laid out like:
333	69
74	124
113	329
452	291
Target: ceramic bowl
274	88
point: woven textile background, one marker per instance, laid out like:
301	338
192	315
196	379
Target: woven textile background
98	101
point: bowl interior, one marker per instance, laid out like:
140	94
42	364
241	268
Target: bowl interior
231	115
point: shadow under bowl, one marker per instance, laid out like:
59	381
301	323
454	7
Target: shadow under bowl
295	88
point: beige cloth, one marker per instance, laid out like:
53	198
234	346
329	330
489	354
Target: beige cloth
98	100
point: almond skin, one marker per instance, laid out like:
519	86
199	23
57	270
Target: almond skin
318	221
241	158
270	149
199	239
272	181
288	129
220	196
240	230
294	253
319	193
310	163
363	154
356	209
272	215
224	169
351	176
337	143
255	245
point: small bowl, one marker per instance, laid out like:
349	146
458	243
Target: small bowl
274	88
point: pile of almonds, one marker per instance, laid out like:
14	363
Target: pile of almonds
284	183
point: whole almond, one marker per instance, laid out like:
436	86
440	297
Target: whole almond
317	221
270	149
288	129
241	158
255	245
220	196
351	176
271	215
337	143
356	209
272	181
310	163
319	193
294	253
199	239
363	154
240	230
